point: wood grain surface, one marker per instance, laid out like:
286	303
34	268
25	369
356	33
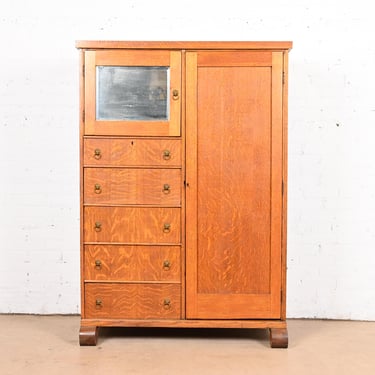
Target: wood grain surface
140	225
185	45
132	186
133	301
186	323
132	152
234	169
234	179
132	263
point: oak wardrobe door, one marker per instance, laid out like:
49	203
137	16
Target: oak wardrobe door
234	184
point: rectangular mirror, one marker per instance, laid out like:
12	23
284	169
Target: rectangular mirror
134	93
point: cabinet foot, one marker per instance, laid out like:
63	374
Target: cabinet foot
279	337
88	336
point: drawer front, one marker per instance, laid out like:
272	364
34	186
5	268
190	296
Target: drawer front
132	263
132	301
132	186
132	152
132	225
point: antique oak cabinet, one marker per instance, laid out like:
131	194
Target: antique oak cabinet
183	185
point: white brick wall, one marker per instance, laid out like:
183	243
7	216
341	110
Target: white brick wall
331	140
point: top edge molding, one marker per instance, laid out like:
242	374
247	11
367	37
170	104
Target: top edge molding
186	45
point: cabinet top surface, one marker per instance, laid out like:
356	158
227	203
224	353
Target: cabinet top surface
188	45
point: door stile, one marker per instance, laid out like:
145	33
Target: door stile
191	184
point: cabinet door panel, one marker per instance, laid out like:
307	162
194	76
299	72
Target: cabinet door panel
234	175
132	93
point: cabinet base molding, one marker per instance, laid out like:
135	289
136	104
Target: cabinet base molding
277	328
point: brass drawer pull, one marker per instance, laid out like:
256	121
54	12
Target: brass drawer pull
166	155
175	94
98	303
98	189
98	226
166	265
98	264
166	228
167	303
97	154
166	189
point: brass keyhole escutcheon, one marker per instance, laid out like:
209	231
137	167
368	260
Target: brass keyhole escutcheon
166	155
97	154
98	226
175	94
98	303
166	228
166	189
98	264
166	265
167	303
98	189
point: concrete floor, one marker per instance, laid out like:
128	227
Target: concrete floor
48	345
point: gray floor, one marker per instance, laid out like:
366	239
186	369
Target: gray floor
49	345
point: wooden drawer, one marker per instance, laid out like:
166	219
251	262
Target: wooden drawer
132	263
132	152
132	225
132	186
132	301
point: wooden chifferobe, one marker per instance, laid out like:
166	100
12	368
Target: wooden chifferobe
183	185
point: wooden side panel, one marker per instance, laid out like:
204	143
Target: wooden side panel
81	132
132	301
132	152
276	181
132	225
132	263
285	186
132	186
234	186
